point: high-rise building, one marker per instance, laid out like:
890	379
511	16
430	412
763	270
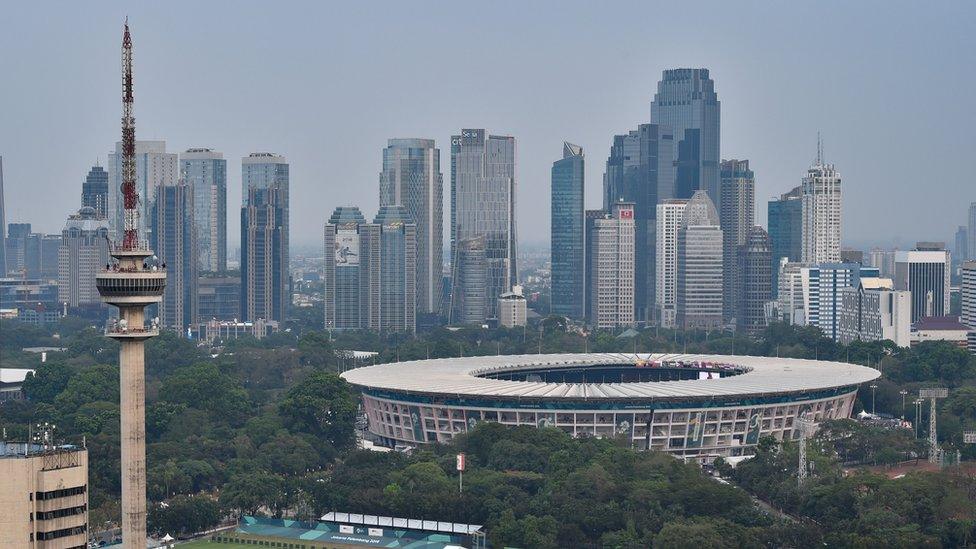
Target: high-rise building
737	216
41	256
686	102
205	171
971	234
961	250
785	221
821	196
755	272
266	172
174	240
346	282
392	271
154	167
883	260
790	304
469	281
611	262
45	494
264	279
218	297
82	254
669	215
16	247
94	191
822	287
568	291
3	228
968	298
638	171
483	190
699	288
925	272
873	311
412	177
370	270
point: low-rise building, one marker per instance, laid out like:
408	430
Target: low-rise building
940	328
512	308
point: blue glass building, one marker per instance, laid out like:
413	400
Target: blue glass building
785	220
566	234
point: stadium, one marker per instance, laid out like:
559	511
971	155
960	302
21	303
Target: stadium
684	404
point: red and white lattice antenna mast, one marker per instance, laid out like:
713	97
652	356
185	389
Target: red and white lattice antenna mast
130	239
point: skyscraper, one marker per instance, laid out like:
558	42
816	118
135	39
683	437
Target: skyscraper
82	254
412	177
3	228
785	221
821	199
94	191
968	302
264	279
699	287
737	215
392	271
925	272
154	167
174	240
611	276
205	171
971	235
686	102
346	283
483	189
267	295
669	215
638	171
566	235
961	249
370	270
755	272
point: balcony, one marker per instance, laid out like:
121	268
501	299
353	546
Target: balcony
140	332
133	286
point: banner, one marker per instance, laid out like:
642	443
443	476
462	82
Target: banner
418	425
696	430
754	427
347	248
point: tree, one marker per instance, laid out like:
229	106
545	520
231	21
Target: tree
323	406
47	381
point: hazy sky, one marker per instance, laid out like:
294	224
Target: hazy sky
889	84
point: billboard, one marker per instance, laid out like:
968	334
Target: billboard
347	248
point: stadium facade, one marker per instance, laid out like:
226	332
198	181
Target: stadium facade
684	404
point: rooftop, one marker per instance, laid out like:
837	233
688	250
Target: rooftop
464	376
929	323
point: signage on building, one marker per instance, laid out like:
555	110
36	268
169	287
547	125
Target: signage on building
347	248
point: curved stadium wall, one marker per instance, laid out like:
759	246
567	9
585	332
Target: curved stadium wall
688	405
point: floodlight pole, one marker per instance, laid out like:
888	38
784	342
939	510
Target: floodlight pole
933	394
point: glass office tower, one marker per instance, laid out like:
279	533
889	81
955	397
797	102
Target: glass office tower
483	189
687	103
206	173
94	191
412	177
566	234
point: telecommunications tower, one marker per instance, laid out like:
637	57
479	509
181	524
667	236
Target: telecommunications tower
131	282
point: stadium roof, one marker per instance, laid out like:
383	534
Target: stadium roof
459	376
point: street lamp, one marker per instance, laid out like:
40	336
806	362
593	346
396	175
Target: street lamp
903	392
874	386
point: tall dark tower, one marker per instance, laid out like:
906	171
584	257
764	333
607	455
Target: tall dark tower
131	283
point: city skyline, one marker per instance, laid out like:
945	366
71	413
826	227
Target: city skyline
769	120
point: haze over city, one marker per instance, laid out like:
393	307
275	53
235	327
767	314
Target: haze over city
887	84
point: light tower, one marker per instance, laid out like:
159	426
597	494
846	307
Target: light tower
806	426
935	453
131	284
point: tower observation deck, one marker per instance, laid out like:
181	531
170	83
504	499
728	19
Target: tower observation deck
133	280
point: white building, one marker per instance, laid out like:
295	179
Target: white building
874	311
968	291
699	302
821	196
611	276
154	167
512	308
83	253
789	306
925	272
669	215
